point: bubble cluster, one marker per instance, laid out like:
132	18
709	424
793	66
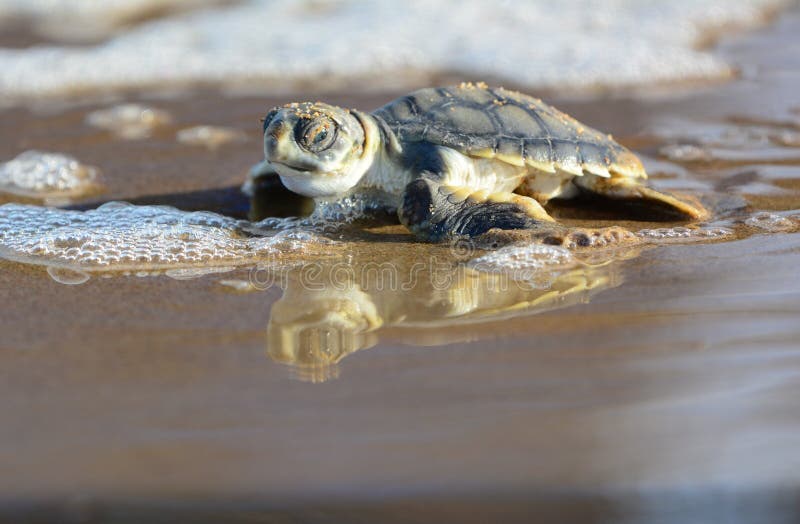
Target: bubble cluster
343	210
121	236
210	137
43	175
347	209
686	153
598	238
772	222
301	229
683	234
786	138
521	261
129	121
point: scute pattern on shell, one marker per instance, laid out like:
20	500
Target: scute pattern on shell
511	126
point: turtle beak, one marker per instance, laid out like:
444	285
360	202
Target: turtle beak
301	168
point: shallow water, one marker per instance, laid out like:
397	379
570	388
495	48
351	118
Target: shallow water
656	383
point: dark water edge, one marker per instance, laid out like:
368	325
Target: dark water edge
702	506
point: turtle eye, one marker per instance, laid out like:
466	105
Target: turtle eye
267	119
316	135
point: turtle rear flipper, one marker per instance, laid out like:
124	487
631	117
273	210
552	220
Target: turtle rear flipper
633	190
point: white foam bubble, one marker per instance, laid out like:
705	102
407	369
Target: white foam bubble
523	261
130	121
772	222
47	176
682	234
210	137
345	209
301	229
535	43
67	276
118	236
786	138
686	153
238	285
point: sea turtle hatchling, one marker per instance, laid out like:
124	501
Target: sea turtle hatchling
455	161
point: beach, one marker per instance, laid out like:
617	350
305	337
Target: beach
654	383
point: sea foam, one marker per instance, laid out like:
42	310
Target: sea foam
682	234
579	43
124	237
521	260
210	137
47	176
129	121
774	222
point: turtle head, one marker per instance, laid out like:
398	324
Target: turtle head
319	150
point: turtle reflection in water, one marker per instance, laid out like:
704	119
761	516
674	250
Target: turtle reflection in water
456	162
314	325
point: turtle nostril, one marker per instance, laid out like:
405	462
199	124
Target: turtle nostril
276	129
270	145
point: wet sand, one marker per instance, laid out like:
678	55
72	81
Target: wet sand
660	387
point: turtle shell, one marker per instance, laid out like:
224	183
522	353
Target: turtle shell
513	127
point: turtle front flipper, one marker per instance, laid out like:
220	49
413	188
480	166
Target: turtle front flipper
436	211
633	190
270	198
